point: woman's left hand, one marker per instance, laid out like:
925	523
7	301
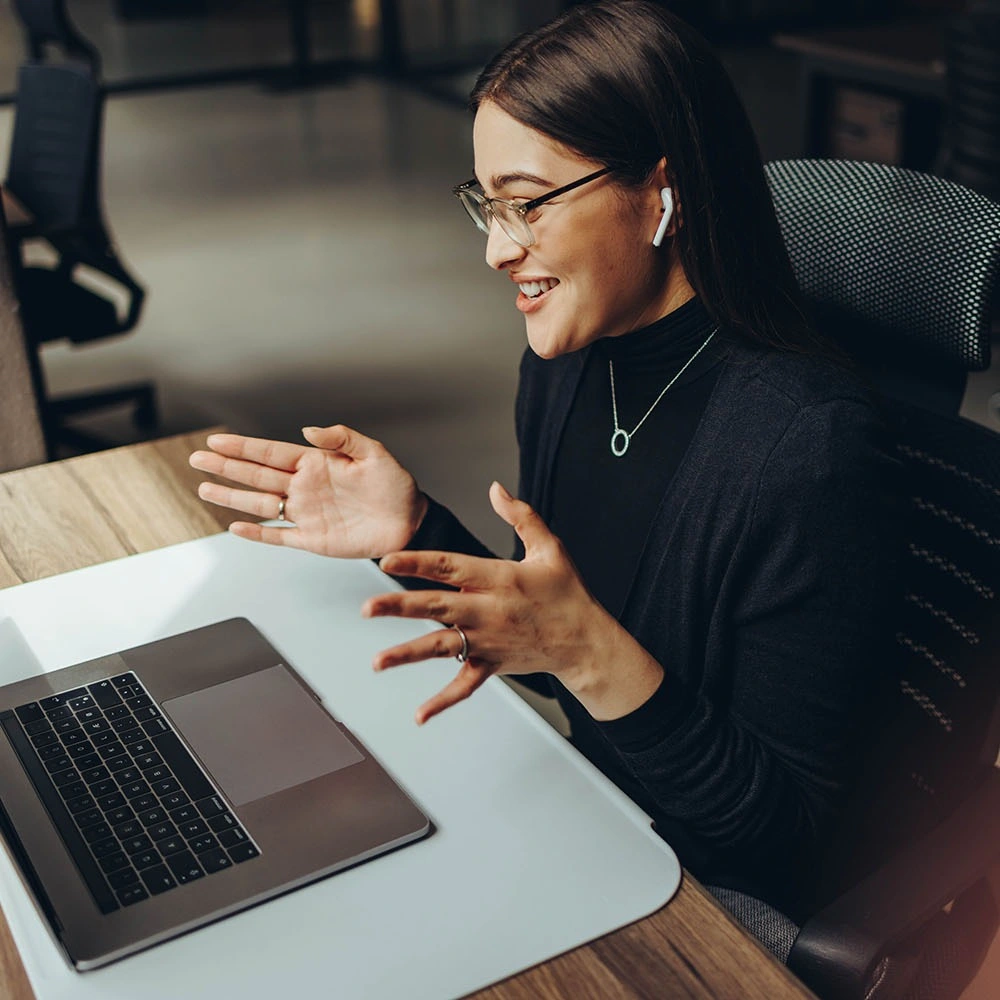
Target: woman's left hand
518	617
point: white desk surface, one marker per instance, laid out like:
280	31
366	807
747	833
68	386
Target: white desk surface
533	853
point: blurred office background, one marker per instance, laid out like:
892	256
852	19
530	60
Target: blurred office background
278	176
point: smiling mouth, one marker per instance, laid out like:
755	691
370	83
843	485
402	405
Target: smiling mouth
535	289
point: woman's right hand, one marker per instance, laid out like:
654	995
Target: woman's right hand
345	495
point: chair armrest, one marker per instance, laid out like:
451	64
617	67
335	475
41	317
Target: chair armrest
838	949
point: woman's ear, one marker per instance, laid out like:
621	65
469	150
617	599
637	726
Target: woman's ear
664	194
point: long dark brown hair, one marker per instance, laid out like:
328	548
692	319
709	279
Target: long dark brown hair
625	84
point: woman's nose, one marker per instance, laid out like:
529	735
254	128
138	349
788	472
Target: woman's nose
501	250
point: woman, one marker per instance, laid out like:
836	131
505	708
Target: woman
700	564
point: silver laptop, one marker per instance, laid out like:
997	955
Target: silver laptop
148	792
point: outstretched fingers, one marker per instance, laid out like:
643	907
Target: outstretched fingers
260	477
443	643
280	455
263	505
469	679
451	568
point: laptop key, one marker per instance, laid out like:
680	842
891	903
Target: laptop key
80	803
95	832
87	715
175	799
141	746
97	726
165	786
223	822
125	724
89	817
31	712
73	789
127	829
127	775
132	736
206	842
146	859
95	774
185	867
111	750
59	763
133	894
44	739
146	760
140	701
157	773
50	751
118	712
87	760
159	831
103	848
215	861
129	690
193	828
80	748
75	737
152	816
243	852
58	714
157	879
230	838
84	701
136	845
66	777
112	801
112	862
104	787
171	845
143	802
116	764
155	727
184	815
122	878
38	726
123	679
135	788
53	701
66	726
212	806
105	694
123	814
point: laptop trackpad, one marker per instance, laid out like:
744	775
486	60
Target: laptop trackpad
260	734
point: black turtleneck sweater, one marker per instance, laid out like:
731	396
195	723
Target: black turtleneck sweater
603	505
745	541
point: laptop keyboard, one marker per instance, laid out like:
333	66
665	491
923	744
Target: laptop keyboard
135	810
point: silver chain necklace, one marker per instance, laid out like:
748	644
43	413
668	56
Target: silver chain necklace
620	438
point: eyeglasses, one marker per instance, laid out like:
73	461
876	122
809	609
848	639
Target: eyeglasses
511	215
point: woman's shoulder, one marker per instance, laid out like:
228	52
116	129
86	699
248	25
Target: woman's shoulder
795	379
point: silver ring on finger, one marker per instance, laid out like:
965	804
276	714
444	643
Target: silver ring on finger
281	508
463	654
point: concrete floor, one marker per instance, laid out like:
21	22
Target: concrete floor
307	264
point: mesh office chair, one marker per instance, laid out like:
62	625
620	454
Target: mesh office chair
897	267
54	171
904	908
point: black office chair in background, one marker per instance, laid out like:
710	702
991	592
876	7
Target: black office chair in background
901	269
54	172
897	267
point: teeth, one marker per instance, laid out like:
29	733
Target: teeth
535	288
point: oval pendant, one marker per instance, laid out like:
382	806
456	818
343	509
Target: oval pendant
619	442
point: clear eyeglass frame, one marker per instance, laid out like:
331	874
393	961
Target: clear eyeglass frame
511	216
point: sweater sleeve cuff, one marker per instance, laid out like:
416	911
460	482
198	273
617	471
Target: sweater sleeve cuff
441	531
653	721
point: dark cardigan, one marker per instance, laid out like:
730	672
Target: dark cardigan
762	590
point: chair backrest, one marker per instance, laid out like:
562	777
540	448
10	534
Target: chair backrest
941	736
22	442
54	154
46	22
898	267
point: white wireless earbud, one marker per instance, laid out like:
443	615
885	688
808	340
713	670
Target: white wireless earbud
667	196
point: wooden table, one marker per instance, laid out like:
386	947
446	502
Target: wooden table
82	511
